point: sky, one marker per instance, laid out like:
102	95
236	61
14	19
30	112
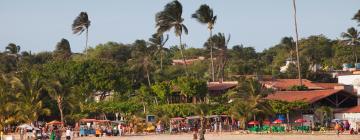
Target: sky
37	25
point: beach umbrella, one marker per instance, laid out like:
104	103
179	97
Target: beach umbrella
254	123
177	118
266	122
300	120
277	121
54	123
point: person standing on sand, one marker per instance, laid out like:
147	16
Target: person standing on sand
22	134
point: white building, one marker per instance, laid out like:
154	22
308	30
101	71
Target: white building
350	114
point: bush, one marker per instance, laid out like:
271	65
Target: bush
298	88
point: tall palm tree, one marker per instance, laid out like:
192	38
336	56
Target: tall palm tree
357	17
219	43
158	41
352	39
297	44
81	24
205	15
170	18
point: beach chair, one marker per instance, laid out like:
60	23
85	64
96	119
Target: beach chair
274	129
265	128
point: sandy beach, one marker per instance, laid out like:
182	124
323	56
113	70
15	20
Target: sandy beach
231	137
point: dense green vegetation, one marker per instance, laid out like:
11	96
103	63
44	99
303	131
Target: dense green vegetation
141	79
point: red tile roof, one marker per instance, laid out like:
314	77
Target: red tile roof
212	86
284	84
309	96
327	85
355	109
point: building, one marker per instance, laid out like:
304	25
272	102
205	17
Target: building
350	114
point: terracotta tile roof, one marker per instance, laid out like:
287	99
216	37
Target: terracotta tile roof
355	109
215	86
284	84
212	86
309	96
327	85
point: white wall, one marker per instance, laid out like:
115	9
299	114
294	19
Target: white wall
353	118
348	80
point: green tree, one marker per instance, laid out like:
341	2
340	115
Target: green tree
158	41
162	90
357	17
191	87
324	114
141	59
219	43
252	94
169	18
205	15
81	24
8	103
13	49
352	39
62	50
29	87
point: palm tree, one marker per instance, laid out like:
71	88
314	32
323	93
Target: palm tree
352	39
8	103
81	24
202	110
219	44
141	59
252	94
59	91
62	50
205	15
158	41
170	18
288	43
29	88
297	44
357	17
12	49
324	114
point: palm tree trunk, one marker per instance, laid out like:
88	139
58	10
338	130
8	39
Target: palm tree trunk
161	59
148	77
202	128
354	51
59	102
297	44
182	55
87	38
211	57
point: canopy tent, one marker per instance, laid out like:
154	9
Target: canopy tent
28	127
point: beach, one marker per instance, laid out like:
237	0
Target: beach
229	136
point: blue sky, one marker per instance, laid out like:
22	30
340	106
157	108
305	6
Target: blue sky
37	25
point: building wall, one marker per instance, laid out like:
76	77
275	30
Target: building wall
353	118
348	80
